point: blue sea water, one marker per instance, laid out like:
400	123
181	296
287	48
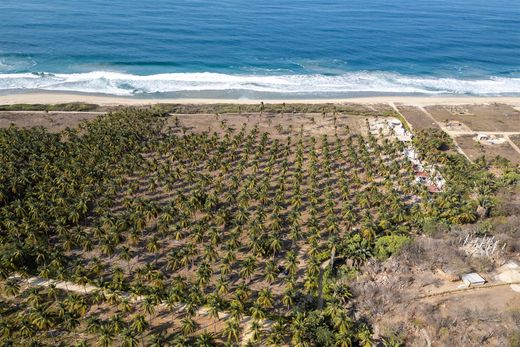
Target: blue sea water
261	48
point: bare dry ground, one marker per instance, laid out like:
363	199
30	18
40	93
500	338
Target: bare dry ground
201	118
396	296
276	125
54	122
418	119
493	117
474	149
382	107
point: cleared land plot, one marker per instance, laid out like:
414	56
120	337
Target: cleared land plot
417	118
54	122
494	117
474	149
276	125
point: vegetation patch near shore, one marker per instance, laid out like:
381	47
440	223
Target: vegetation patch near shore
74	106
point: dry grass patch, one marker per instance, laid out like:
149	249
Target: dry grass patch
474	149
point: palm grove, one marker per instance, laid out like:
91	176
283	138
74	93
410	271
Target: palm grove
231	237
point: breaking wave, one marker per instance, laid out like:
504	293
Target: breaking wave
123	84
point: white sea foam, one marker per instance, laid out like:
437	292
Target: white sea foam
13	63
366	82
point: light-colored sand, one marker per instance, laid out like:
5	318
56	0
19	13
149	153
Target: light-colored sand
510	273
64	285
56	98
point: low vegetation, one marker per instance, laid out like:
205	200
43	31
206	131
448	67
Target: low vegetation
74	106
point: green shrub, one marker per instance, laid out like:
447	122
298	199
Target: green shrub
323	256
387	245
432	227
347	272
514	339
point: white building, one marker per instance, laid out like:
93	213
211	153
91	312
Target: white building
473	279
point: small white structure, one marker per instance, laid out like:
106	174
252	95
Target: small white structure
421	179
489	139
411	154
482	246
395	122
473	279
390	126
439	181
497	141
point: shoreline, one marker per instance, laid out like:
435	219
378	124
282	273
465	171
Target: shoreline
107	100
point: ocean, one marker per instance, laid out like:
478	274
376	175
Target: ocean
261	49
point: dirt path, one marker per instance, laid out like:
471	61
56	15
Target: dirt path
467	132
454	133
433	119
64	285
247	333
464	290
515	147
392	105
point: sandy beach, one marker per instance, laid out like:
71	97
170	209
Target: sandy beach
106	100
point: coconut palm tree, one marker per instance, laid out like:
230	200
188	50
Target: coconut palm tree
205	340
232	330
41	318
215	306
265	298
270	271
277	334
138	324
188	326
129	338
11	287
204	273
157	340
364	336
106	336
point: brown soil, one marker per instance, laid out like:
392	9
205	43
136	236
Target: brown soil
418	119
276	125
54	122
494	117
474	149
